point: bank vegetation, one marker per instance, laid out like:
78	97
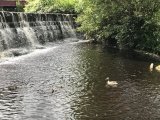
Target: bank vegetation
125	24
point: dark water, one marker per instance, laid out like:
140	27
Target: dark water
67	82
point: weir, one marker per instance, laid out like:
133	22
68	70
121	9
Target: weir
31	30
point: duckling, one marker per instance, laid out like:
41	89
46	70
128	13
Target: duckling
12	88
157	68
111	83
53	90
151	67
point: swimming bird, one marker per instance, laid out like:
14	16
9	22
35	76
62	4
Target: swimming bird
111	83
151	67
157	68
53	90
12	88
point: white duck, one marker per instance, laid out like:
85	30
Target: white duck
111	83
151	67
157	68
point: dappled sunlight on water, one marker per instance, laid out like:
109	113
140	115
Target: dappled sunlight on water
68	82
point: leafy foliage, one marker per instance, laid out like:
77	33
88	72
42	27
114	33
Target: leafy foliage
65	6
19	7
134	24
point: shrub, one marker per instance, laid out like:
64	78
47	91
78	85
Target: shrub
65	6
134	24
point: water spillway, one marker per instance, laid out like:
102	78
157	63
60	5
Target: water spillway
29	30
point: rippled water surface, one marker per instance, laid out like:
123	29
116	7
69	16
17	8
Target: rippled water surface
67	82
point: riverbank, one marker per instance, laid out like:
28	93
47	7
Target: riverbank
142	54
151	56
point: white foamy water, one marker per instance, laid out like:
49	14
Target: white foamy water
36	52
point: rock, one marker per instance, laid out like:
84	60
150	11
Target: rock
12	88
53	90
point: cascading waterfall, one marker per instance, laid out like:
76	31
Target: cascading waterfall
6	33
30	30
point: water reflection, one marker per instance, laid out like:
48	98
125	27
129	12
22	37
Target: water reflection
76	73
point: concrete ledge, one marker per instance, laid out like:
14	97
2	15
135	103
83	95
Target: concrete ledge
16	17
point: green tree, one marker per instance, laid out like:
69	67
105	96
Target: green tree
65	6
19	6
134	24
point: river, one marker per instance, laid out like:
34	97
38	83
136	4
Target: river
67	82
